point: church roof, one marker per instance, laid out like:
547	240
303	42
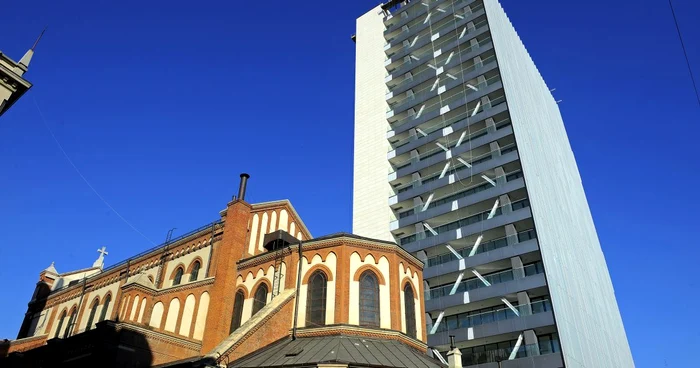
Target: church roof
51	269
341	349
140	279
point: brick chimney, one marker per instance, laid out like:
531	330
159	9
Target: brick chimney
226	253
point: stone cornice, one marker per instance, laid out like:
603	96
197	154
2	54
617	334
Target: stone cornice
362	331
333	242
173	289
28	339
175	340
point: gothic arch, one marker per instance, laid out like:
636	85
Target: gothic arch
373	269
172	274
322	268
408	281
258	283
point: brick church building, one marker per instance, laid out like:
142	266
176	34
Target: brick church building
253	289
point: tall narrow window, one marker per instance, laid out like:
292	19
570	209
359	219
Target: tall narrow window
60	324
316	300
70	323
105	305
410	305
369	299
260	298
178	277
237	312
195	271
93	311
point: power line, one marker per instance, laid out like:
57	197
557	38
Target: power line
60	146
685	53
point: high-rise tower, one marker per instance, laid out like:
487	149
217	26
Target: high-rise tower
462	158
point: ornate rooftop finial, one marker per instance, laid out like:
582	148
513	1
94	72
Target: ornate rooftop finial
100	262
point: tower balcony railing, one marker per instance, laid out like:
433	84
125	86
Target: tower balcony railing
456	100
467	138
472	219
423	27
427	55
484	247
428	50
430	75
446	81
407	13
499	355
417	8
493	279
472	319
424	34
469	105
470	190
438	174
455	123
429	70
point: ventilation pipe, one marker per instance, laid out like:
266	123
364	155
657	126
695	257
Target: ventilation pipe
242	187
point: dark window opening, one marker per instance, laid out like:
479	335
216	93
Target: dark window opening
316	300
369	299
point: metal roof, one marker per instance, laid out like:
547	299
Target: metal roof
352	350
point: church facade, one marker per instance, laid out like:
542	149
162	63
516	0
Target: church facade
255	281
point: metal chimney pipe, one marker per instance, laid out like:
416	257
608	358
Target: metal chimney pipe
242	187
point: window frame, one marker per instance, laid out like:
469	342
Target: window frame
105	306
177	277
71	320
237	317
61	319
409	301
321	299
369	301
258	303
194	274
93	311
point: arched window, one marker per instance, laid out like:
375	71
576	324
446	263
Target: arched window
260	298
237	312
369	299
410	305
60	324
178	276
195	271
316	300
93	310
105	305
70	323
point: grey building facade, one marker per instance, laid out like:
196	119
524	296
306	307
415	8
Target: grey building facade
462	158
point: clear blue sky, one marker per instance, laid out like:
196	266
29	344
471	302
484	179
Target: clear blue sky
162	104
